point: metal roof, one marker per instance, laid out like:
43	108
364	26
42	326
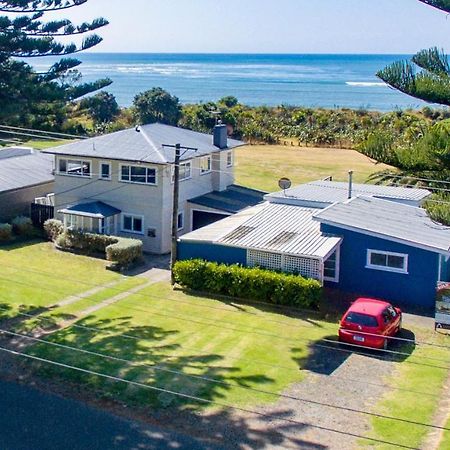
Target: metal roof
92	209
21	168
270	227
393	221
328	192
234	199
144	144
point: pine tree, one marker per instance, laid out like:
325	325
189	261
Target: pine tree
28	97
427	75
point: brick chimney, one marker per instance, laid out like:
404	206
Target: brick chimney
221	136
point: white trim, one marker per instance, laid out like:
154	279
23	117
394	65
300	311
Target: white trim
82	160
207	157
383	236
369	265
172	173
230	152
337	268
138	182
133	216
100	164
181	213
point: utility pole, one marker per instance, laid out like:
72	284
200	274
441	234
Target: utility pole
176	196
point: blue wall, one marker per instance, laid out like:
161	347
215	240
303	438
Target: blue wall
417	288
211	252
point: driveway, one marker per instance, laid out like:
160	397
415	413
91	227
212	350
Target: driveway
32	419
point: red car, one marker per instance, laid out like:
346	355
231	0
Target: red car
367	321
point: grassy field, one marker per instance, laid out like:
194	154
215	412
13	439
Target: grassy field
261	166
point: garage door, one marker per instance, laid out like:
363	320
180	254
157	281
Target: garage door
202	218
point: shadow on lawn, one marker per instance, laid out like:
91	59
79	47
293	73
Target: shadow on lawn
157	361
328	354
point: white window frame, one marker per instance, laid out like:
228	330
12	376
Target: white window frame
100	175
208	160
231	157
370	252
133	216
184	164
65	174
138	182
335	279
180	215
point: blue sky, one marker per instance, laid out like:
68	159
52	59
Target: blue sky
267	26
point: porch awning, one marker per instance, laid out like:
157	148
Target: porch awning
97	210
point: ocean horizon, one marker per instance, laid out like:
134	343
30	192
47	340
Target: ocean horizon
258	79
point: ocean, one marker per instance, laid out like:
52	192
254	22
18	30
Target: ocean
330	81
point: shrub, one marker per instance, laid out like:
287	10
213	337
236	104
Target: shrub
250	283
23	226
124	251
121	251
53	228
5	232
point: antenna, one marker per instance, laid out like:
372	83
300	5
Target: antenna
217	115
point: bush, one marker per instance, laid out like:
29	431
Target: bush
53	228
124	251
5	232
23	226
250	283
121	251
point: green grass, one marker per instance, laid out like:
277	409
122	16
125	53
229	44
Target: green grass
261	166
422	377
44	144
175	331
36	275
445	443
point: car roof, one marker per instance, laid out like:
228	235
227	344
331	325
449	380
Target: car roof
369	306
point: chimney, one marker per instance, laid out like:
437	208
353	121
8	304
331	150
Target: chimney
221	136
350	183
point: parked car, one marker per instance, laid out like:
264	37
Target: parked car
368	321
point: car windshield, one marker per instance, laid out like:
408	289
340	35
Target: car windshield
361	319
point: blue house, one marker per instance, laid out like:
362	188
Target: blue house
360	239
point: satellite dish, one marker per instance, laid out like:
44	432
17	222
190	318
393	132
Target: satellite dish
284	183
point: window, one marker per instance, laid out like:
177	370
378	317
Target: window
331	267
361	319
74	167
132	223
391	262
138	174
105	171
229	158
185	171
180	222
205	164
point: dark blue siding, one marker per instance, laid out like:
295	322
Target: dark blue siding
417	288
211	252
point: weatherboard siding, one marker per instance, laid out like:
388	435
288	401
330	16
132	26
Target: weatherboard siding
417	287
211	252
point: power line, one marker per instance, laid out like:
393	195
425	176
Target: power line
199	399
33	130
264	363
221	382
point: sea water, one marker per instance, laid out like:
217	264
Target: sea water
331	81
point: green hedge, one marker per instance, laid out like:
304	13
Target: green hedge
23	226
249	283
5	232
121	251
53	228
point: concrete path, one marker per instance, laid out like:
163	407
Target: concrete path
32	419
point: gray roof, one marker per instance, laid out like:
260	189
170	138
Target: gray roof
145	145
270	227
96	209
392	221
328	192
21	168
233	199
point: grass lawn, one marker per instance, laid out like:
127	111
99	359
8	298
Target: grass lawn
422	377
445	443
34	287
175	331
46	143
261	166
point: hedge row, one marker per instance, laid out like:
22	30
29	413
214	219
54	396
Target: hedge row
121	251
20	226
249	283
